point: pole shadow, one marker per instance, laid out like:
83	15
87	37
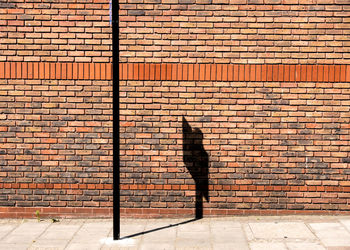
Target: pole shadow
158	229
197	162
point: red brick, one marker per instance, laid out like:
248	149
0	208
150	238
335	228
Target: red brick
331	73
286	72
297	73
135	70
320	74
168	71
163	72
304	73
185	72
264	73
179	72
258	72
225	72
39	70
74	71
103	71
275	72
196	72
219	72
158	72
174	72
230	73
18	70
343	73
64	70
247	72
30	70
142	71
337	73
347	76
326	73
309	73
147	72
241	72
252	72
270	72
87	71
236	72
213	72
58	73
207	72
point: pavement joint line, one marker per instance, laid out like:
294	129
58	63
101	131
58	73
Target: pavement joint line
244	233
36	238
346	228
251	231
10	231
65	247
109	232
307	224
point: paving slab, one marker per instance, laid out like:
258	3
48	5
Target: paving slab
83	246
152	246
6	229
26	232
332	234
280	230
346	224
267	246
304	246
50	243
241	233
231	246
59	231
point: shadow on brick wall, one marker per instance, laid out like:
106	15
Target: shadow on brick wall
197	163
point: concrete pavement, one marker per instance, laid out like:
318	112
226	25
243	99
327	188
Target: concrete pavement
251	232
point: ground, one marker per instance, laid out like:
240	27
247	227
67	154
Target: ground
252	232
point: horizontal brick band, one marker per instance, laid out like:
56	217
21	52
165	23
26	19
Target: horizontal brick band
88	212
176	72
55	71
234	72
275	188
56	212
56	186
188	212
341	187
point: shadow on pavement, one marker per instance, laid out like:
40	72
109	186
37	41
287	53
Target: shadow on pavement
157	229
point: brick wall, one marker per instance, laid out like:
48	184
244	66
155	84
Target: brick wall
266	82
55	108
235	31
258	88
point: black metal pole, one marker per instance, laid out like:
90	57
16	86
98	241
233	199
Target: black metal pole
116	159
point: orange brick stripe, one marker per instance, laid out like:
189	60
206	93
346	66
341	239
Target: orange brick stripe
176	72
275	188
188	212
55	71
234	72
55	186
147	213
56	212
